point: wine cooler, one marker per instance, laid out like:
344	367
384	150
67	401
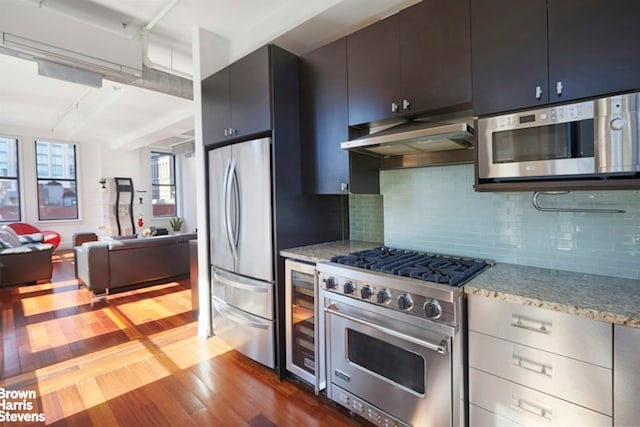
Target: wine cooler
304	348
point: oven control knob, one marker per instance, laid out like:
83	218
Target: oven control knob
330	283
432	309
384	296
366	292
405	302
349	287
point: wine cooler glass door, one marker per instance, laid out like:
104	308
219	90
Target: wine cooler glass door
302	327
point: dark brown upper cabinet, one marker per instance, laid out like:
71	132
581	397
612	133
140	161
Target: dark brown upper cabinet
323	91
324	126
415	61
593	48
509	55
528	54
236	101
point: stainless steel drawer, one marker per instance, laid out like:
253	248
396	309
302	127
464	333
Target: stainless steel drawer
479	417
527	406
569	379
572	336
251	335
250	295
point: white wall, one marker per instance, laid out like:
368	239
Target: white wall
186	165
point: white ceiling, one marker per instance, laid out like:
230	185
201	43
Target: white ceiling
128	117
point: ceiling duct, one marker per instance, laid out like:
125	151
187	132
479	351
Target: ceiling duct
35	33
69	74
183	148
163	82
31	49
71	64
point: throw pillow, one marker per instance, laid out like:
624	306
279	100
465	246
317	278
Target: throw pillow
11	230
8	239
31	238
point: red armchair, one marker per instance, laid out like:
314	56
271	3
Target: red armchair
52	237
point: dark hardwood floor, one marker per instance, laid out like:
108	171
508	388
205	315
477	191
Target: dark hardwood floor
135	360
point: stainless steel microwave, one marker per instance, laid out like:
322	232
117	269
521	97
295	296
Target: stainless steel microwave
597	138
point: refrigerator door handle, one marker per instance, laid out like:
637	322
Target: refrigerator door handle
227	211
225	196
238	207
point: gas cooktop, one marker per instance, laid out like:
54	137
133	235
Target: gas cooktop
444	269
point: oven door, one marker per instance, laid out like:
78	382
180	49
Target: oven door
400	368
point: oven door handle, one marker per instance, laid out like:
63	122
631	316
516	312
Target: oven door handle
440	347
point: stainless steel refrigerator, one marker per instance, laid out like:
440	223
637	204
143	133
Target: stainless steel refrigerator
242	247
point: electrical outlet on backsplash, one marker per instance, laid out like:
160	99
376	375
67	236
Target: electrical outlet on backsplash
436	209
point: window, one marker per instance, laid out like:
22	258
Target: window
163	184
57	190
9	180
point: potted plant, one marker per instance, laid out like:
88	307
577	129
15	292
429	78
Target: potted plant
176	224
103	181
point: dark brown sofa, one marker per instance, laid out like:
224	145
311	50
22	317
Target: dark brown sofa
26	264
111	265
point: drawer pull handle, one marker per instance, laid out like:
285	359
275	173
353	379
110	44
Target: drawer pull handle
532	366
530	324
530	408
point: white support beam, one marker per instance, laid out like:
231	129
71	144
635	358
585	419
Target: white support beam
176	123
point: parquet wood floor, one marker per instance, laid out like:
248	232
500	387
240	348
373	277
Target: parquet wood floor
135	360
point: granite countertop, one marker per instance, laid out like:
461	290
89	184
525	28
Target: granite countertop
604	298
609	299
325	251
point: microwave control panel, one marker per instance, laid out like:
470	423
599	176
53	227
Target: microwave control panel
557	114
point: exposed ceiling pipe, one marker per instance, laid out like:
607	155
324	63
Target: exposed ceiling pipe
144	34
161	14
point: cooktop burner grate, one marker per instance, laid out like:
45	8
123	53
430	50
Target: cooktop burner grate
451	270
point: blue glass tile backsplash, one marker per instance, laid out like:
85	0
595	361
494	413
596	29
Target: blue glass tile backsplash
436	209
366	217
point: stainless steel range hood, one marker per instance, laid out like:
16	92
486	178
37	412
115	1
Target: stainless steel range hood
414	137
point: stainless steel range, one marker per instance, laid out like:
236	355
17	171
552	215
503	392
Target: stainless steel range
393	323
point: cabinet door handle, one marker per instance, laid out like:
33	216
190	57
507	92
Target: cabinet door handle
538	92
406	104
530	324
559	88
531	366
394	107
531	408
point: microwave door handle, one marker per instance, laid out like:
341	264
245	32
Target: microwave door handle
440	347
